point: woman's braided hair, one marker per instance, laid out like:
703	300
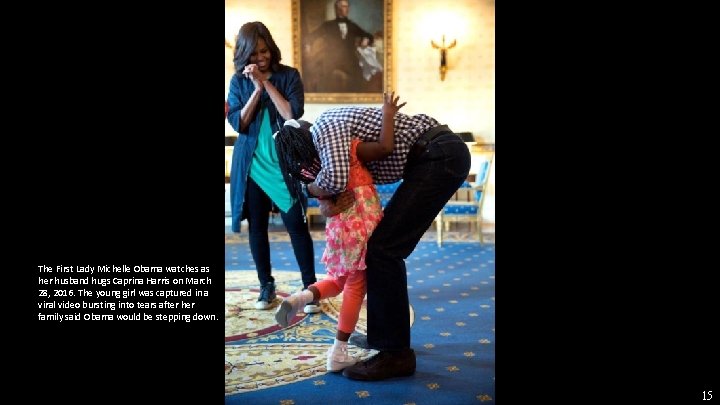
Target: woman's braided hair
297	154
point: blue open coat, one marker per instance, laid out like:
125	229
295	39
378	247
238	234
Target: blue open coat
287	80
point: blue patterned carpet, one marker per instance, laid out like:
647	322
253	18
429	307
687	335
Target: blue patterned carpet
452	297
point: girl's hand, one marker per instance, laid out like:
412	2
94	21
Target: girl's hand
390	104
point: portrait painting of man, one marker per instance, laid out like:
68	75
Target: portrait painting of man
342	45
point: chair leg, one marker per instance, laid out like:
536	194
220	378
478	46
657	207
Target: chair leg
479	226
438	224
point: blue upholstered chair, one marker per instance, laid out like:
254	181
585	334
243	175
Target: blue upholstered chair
313	210
466	205
386	191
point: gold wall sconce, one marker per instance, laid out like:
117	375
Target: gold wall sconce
443	55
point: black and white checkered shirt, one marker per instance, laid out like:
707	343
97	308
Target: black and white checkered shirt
334	129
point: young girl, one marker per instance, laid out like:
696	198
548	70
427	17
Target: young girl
347	233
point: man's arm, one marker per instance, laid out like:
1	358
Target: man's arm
332	137
344	200
332	141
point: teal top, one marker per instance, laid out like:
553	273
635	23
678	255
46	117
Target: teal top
265	167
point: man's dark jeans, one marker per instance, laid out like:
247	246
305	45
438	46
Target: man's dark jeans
428	183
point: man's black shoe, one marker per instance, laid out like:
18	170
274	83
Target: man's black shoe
360	340
383	365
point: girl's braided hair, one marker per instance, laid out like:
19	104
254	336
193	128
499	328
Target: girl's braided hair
297	154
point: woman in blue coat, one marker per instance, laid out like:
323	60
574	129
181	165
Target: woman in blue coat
263	95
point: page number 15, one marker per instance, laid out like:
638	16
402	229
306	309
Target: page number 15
707	395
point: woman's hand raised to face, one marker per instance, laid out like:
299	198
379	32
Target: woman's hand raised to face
253	73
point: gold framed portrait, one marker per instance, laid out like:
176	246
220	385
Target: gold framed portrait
343	49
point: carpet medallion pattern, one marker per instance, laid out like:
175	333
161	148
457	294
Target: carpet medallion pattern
259	353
